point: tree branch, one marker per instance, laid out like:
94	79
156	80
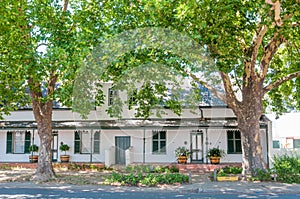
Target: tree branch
231	100
295	24
66	2
276	8
218	94
269	52
256	44
281	81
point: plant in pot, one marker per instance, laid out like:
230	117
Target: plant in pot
182	154
215	154
33	157
65	148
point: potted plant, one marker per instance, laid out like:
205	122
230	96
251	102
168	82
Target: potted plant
65	148
182	154
33	157
215	154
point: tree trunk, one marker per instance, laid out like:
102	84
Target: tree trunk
251	146
248	112
248	116
43	116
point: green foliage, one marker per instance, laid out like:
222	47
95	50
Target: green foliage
45	44
232	170
215	152
182	151
151	169
146	179
262	175
228	170
33	148
64	147
287	168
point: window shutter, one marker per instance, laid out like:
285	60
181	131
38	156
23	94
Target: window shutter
27	142
77	142
9	142
97	142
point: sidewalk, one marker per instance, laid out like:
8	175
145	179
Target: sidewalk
207	186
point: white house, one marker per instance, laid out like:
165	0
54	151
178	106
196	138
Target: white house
100	138
286	133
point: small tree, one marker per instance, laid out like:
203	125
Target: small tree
64	147
33	148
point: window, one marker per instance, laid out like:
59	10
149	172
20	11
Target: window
111	95
18	141
276	144
159	141
82	142
234	142
97	142
296	143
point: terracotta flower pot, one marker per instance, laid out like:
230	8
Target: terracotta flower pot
182	159
33	158
215	160
64	158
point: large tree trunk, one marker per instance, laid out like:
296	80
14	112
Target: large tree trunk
248	111
248	116
43	116
251	144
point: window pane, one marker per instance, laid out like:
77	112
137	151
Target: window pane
77	146
276	144
297	143
238	146
230	146
27	141
96	147
155	136
76	142
163	146
97	135
96	142
155	146
77	135
163	135
9	142
230	134
237	135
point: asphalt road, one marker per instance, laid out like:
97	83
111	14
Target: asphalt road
85	192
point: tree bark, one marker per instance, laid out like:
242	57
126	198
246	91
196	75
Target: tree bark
251	145
43	115
248	115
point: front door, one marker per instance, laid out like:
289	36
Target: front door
122	143
197	147
54	146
